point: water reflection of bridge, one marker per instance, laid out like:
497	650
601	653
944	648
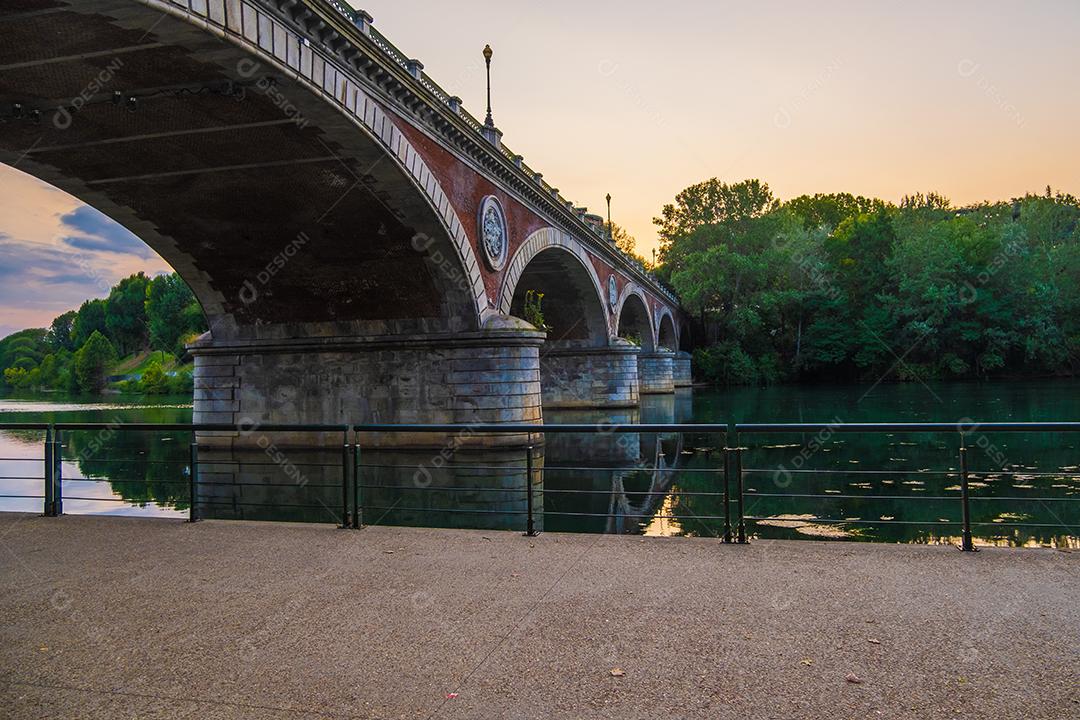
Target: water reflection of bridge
597	482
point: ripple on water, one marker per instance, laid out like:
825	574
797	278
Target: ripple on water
10	405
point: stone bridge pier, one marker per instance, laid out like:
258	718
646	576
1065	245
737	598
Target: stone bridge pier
681	369
364	250
486	376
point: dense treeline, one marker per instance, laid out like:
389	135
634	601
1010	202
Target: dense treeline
848	287
76	352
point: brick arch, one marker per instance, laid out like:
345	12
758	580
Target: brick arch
664	312
256	43
350	99
631	289
537	242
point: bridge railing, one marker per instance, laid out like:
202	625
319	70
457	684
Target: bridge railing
163	465
959	439
354	475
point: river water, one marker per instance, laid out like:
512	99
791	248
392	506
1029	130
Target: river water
825	485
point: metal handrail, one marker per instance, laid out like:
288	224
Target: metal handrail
733	470
599	427
965	428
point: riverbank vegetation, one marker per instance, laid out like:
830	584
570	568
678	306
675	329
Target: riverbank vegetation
843	287
131	341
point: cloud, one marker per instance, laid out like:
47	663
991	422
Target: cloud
129	245
100	234
56	253
25	265
37	283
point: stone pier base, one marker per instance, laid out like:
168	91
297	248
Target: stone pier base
489	376
680	369
655	372
590	377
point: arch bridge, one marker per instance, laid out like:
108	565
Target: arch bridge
364	249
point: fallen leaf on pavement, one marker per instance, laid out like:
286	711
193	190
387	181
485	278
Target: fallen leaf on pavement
853	678
451	696
875	641
617	672
807	661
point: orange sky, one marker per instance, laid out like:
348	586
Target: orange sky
975	100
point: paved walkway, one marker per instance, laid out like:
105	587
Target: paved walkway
119	617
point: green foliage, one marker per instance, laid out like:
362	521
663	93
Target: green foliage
139	314
58	336
172	313
89	318
710	203
626	242
181	382
828	211
91	362
846	287
154	381
726	364
125	313
534	310
21	346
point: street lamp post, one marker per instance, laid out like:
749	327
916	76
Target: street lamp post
487	62
610	229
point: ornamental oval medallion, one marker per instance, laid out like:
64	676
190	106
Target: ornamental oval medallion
612	291
491	227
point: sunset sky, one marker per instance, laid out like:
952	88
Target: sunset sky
975	100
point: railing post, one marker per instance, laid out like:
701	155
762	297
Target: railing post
357	517
530	526
739	483
727	485
966	543
193	479
47	505
58	473
346	457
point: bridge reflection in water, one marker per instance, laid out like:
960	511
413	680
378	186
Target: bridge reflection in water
613	482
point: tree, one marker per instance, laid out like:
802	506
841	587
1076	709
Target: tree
22	350
626	242
89	319
929	201
125	313
710	203
828	211
58	336
154	381
172	313
743	279
857	250
92	361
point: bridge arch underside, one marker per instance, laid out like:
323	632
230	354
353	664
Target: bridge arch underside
667	340
581	365
655	363
665	334
336	288
681	365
